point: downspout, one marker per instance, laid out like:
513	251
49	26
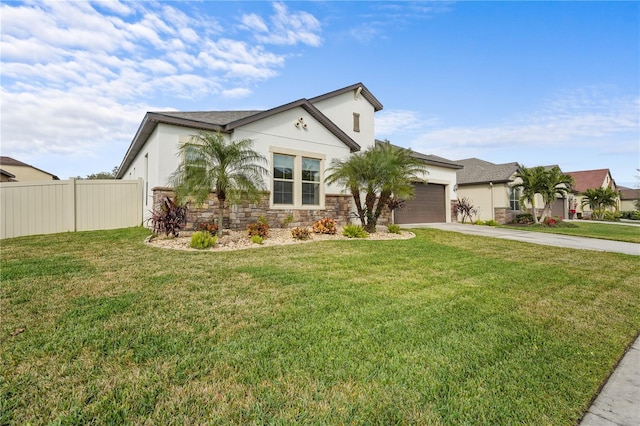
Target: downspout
493	210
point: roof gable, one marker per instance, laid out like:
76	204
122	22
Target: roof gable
585	179
8	161
377	106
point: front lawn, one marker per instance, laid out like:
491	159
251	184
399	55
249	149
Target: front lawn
443	329
617	232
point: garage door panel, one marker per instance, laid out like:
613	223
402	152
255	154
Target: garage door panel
428	205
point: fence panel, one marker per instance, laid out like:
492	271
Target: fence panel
31	208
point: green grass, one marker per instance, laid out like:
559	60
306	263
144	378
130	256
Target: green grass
617	232
442	329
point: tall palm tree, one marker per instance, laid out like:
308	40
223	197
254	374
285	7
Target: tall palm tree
530	184
598	199
552	184
231	169
380	173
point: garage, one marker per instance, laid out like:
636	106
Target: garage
557	208
428	205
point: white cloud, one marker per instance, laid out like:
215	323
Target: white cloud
390	122
573	120
287	27
78	76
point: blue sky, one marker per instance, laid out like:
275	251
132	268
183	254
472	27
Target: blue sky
534	82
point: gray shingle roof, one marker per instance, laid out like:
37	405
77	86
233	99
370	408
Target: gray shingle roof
480	171
219	118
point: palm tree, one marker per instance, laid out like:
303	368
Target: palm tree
553	183
380	173
231	169
598	199
530	184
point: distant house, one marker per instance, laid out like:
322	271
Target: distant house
12	170
589	179
299	140
488	187
629	198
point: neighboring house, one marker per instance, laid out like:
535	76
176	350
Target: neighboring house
5	176
12	170
586	179
629	198
302	137
488	187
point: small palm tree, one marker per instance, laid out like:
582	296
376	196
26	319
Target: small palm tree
530	185
598	199
552	184
231	169
380	173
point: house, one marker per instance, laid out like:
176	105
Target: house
629	199
589	179
301	136
12	170
490	189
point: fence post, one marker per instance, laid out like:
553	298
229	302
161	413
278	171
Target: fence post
71	205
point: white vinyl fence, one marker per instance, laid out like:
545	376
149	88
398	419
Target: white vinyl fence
31	208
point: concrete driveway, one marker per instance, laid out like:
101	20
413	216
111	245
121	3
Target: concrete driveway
578	243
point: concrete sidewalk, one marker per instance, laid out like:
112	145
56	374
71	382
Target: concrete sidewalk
618	403
557	240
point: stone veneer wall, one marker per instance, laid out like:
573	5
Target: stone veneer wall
504	215
337	206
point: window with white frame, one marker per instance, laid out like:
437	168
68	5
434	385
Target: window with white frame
283	179
514	198
296	179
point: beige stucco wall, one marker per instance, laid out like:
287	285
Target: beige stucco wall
26	174
485	198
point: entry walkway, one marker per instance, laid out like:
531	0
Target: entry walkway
568	241
618	403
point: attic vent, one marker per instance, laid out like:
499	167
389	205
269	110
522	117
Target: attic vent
356	122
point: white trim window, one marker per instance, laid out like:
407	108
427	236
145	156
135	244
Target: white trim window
296	179
514	198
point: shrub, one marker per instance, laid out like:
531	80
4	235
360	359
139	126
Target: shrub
612	216
394	229
478	222
631	215
464	208
259	228
326	226
169	218
354	231
257	239
524	218
549	221
301	233
211	228
202	240
491	223
287	220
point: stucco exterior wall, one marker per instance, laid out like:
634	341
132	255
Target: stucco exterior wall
340	110
486	198
26	174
